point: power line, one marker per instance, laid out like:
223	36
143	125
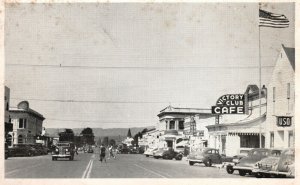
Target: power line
92	101
137	67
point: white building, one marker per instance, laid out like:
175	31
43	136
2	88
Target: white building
281	101
150	139
172	125
27	124
236	134
196	130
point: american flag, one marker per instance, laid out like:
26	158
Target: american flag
268	19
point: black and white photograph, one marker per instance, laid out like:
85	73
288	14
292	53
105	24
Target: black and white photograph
148	90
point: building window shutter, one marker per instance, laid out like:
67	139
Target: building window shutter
274	94
288	90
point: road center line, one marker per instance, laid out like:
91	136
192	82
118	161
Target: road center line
150	171
86	169
90	169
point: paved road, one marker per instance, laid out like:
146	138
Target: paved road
124	166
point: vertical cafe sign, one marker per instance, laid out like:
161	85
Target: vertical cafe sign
230	104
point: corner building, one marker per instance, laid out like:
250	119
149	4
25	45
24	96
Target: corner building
281	101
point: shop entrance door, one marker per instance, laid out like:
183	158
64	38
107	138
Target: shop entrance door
169	144
223	144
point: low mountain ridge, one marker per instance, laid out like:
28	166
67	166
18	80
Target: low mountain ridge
100	132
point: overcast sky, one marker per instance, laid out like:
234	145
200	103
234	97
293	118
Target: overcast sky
135	59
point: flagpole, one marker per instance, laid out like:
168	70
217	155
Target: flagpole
259	91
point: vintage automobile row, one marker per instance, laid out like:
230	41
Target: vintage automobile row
25	150
266	163
258	162
164	153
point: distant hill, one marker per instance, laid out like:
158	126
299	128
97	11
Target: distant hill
100	132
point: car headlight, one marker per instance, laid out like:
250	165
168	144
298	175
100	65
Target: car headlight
235	160
257	165
56	149
67	150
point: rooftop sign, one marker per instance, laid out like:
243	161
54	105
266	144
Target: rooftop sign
230	104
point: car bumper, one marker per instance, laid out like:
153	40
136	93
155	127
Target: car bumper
272	172
61	156
242	168
196	160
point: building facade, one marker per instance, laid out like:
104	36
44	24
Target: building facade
280	123
27	124
7	121
237	134
173	127
196	130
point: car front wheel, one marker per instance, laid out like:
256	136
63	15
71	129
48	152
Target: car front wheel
242	172
191	163
179	157
208	163
229	169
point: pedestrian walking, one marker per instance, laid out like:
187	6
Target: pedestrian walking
111	154
76	150
102	153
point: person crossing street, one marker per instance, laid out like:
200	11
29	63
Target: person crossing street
102	153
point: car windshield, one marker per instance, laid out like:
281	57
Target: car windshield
275	153
62	144
259	153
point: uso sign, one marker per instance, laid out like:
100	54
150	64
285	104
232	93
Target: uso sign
283	121
230	104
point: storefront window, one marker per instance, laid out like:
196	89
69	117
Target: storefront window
249	141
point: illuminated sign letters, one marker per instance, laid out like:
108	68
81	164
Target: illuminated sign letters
230	104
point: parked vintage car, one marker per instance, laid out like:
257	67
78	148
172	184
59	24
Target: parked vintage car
6	151
208	156
246	164
90	150
132	150
159	153
276	166
40	149
64	150
232	161
124	151
22	150
172	154
150	151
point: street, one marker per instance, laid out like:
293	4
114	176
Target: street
86	165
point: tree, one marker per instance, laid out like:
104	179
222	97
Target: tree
144	130
105	141
129	134
136	138
88	136
112	142
67	135
99	141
